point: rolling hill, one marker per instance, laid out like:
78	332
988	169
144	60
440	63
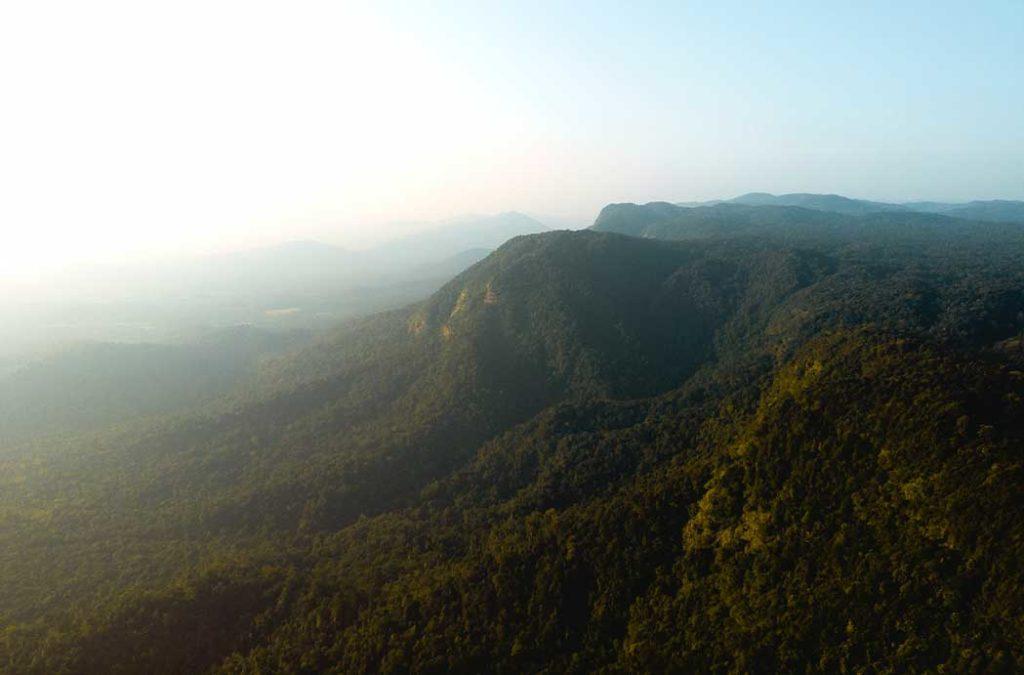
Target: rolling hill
997	210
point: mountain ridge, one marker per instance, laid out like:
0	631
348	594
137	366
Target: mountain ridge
996	210
661	220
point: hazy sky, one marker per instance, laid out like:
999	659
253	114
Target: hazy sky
133	127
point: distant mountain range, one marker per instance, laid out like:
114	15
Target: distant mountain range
296	285
432	249
994	210
446	239
661	220
304	266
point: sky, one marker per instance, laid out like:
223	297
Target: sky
138	128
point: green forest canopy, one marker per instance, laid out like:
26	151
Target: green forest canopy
744	438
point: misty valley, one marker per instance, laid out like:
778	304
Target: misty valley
102	344
761	434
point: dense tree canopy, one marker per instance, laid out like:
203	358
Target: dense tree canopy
709	449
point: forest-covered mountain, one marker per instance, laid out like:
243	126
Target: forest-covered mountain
721	438
125	342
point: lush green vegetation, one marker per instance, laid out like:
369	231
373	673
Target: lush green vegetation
788	441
